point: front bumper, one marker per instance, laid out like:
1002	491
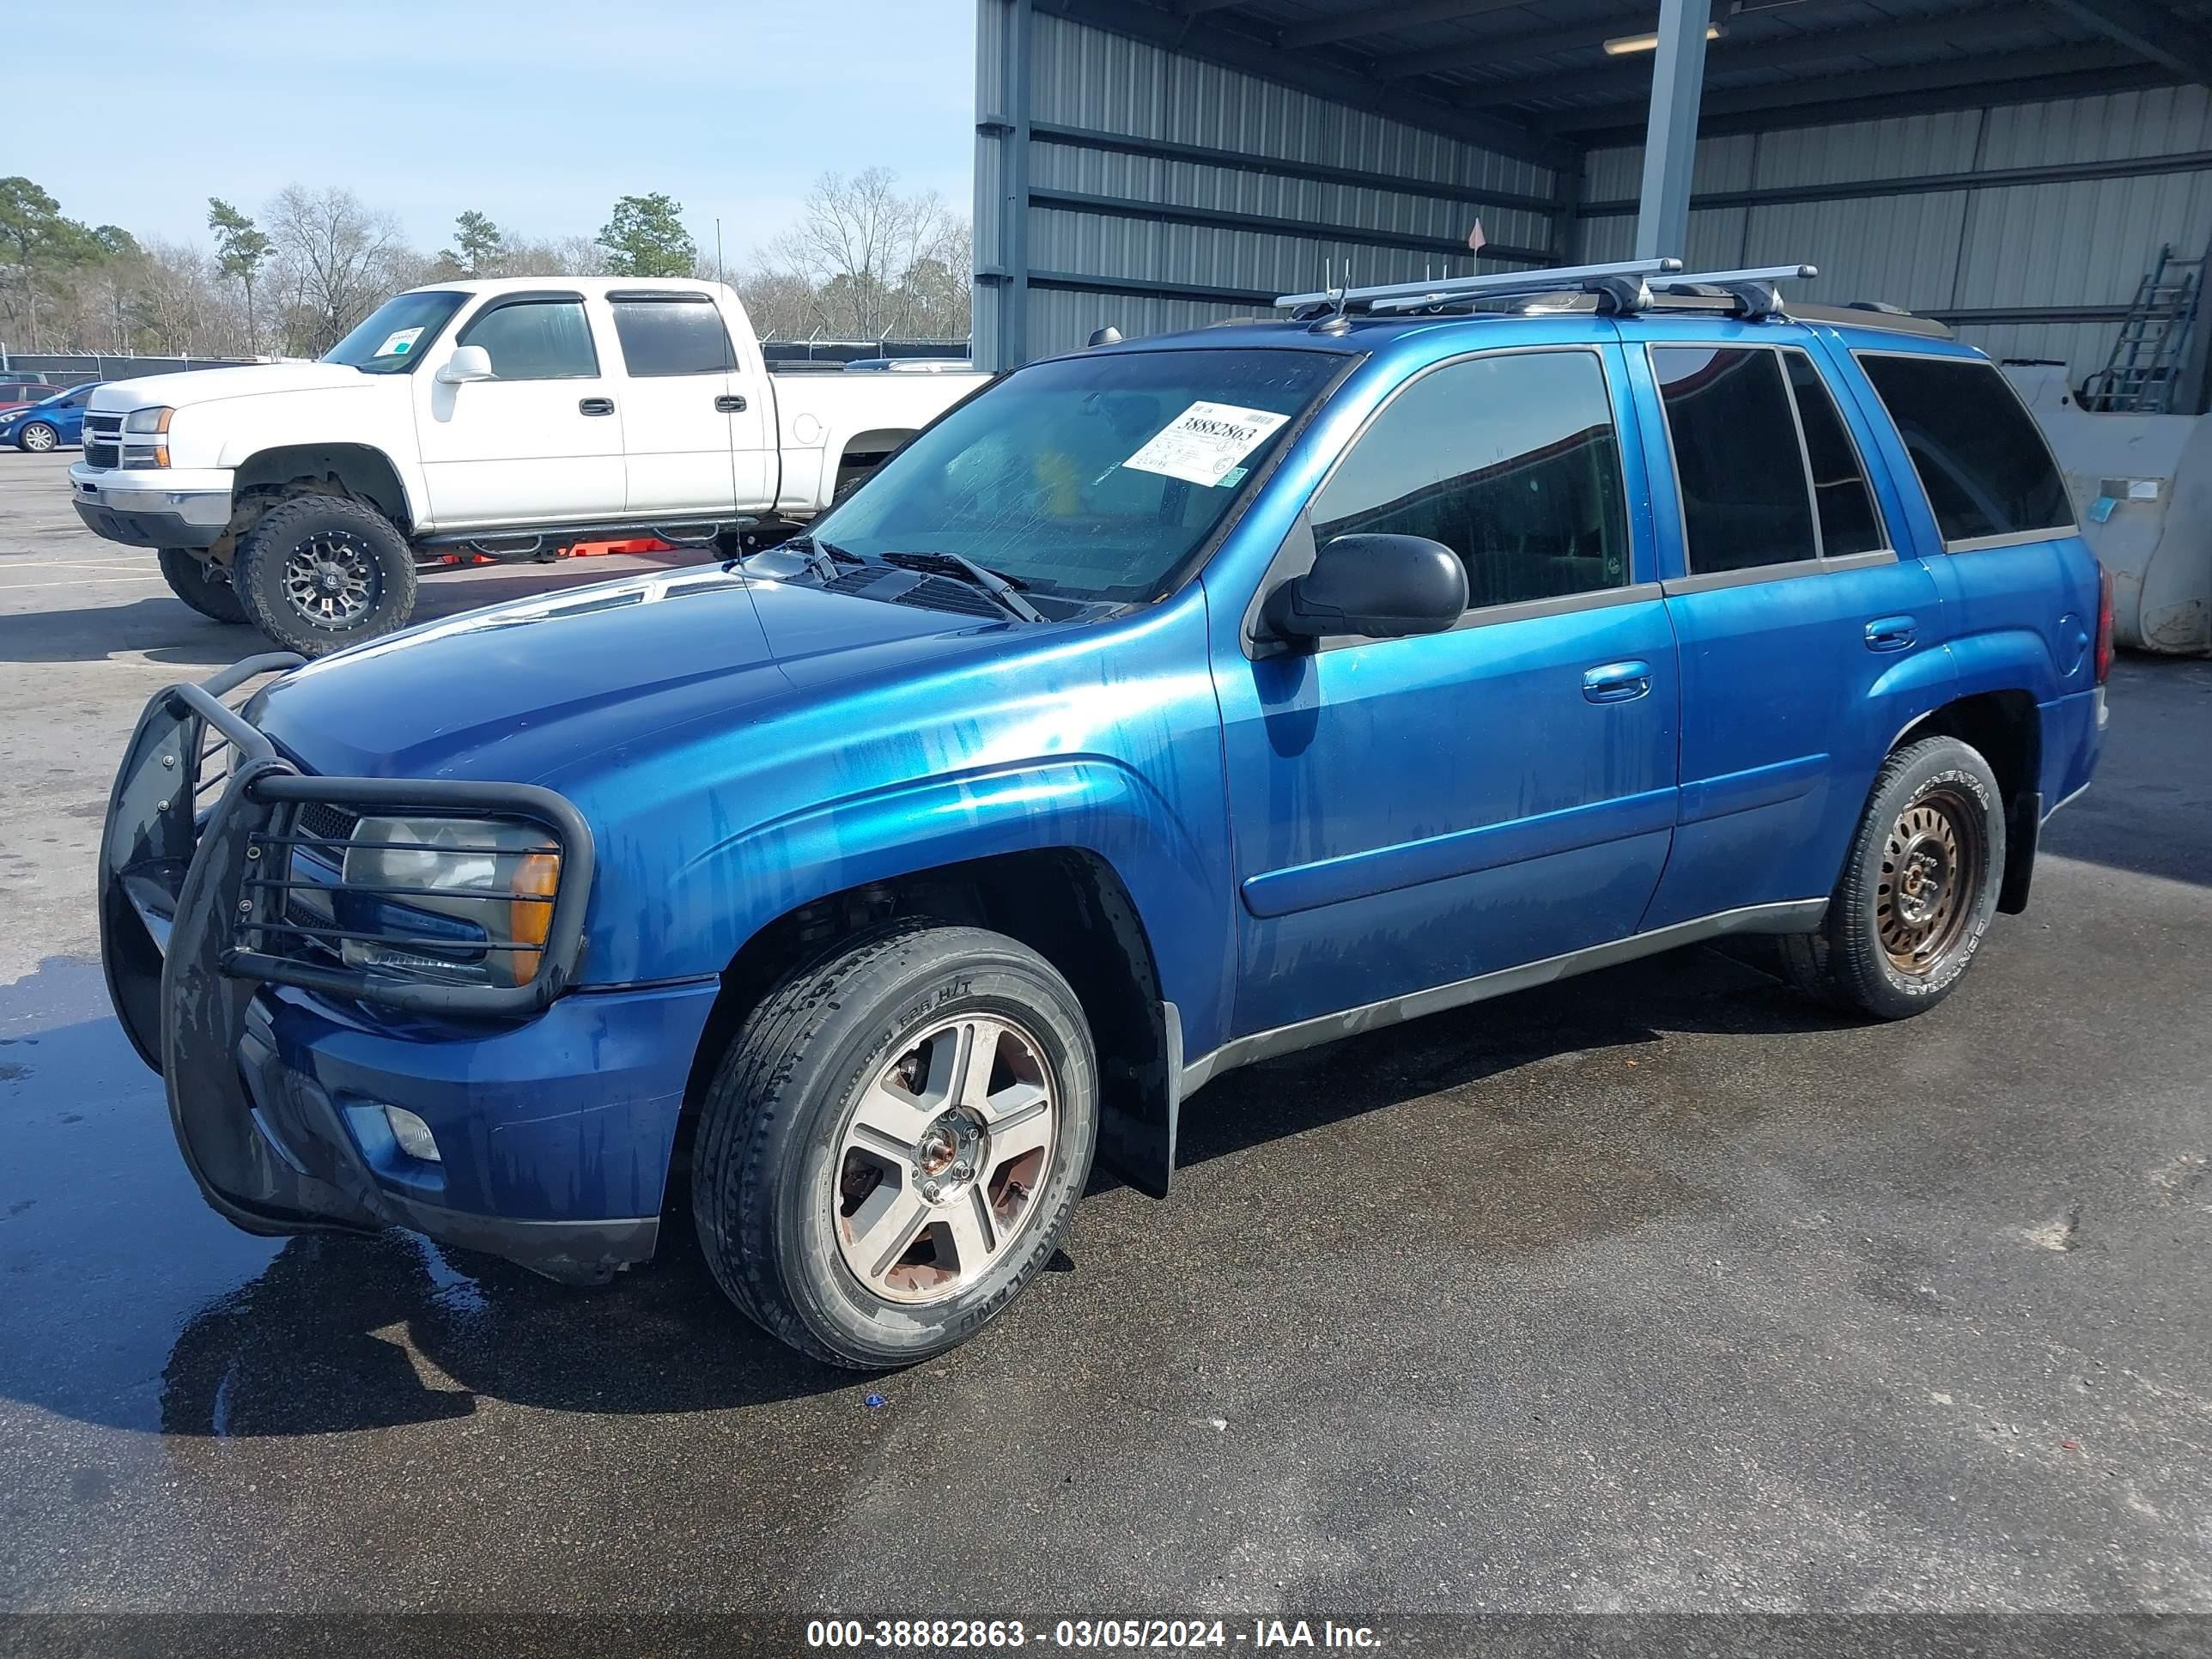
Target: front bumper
158	508
555	1118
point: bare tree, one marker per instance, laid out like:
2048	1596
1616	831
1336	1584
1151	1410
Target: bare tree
340	258
859	246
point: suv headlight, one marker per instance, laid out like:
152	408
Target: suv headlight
468	901
151	427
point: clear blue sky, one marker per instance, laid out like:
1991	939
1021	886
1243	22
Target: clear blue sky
538	115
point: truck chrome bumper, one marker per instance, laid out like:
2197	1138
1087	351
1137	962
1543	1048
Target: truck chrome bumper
157	508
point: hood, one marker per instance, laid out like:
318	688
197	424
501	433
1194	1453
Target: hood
207	386
525	693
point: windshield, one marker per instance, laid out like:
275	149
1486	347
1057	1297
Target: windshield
396	333
1094	478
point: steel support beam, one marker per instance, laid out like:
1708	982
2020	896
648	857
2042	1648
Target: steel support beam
2150	31
1670	135
1002	270
1277	167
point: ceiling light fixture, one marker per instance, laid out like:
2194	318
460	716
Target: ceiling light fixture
1621	45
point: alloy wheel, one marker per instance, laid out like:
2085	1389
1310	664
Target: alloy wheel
940	1159
331	579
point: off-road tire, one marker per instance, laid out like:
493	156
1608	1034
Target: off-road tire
1845	963
204	586
258	573
766	1167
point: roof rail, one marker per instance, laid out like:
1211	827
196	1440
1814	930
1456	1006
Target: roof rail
1625	277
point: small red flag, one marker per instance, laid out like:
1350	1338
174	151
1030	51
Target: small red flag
1475	239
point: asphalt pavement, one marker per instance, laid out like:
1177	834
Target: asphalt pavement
1656	1290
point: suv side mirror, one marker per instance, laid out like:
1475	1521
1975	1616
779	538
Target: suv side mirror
1379	587
467	363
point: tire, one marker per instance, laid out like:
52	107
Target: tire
39	438
1917	890
795	1180
203	586
322	572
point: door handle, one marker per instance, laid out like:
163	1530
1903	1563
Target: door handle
595	406
730	404
1617	682
1890	633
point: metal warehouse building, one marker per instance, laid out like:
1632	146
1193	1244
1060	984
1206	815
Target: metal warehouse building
2012	168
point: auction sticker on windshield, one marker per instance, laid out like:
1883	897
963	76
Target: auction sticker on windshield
1205	443
400	344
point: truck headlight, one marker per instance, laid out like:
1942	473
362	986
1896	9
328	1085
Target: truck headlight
466	900
149	423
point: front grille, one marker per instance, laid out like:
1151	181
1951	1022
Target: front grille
324	822
103	441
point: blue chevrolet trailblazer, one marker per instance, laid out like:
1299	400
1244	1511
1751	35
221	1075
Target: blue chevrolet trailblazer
1162	707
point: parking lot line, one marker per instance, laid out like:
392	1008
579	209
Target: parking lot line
80	582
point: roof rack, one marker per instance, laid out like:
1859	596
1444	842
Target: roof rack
1502	285
1629	286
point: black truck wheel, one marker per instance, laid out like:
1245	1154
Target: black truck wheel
1918	887
321	572
894	1142
203	586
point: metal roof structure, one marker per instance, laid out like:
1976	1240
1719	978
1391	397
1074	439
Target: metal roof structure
1537	79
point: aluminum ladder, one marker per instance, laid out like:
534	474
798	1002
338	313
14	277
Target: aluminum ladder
2144	370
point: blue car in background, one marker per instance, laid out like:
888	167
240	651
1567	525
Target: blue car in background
41	427
1161	708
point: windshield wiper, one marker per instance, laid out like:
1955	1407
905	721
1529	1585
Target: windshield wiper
823	557
959	566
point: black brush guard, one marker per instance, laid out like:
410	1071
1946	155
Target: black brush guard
191	929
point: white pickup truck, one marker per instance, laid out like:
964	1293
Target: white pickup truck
510	418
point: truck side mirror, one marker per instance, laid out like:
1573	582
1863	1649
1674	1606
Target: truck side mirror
1377	587
467	363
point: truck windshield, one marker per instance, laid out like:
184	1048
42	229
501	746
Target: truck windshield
1094	478
396	334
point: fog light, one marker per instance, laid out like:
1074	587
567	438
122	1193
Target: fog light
413	1134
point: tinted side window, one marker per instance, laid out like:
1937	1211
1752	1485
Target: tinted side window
672	337
1848	522
542	340
1509	461
1984	466
1744	498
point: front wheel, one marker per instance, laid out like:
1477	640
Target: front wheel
1918	890
894	1142
200	584
39	438
321	572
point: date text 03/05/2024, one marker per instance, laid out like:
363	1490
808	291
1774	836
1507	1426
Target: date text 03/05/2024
1087	1633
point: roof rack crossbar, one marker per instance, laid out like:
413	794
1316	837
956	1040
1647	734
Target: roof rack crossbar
1498	285
1753	289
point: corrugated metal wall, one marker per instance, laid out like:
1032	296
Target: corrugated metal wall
1099	83
2035	246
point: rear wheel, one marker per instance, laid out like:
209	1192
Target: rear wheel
202	585
321	572
39	438
894	1142
1918	890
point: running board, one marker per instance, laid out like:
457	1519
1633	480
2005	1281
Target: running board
1796	916
539	539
